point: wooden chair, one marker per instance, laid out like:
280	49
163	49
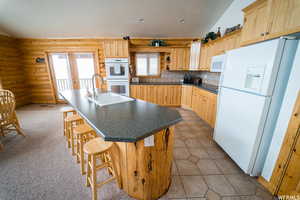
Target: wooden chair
8	118
99	149
83	133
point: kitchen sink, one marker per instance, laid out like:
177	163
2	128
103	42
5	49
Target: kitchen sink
109	98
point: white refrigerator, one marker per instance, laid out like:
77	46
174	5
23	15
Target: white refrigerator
252	87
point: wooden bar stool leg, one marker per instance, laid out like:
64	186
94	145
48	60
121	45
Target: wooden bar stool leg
82	161
68	134
94	178
88	172
79	138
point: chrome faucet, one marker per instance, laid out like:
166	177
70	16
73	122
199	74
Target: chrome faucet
93	84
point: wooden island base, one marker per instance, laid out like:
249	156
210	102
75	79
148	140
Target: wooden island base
145	172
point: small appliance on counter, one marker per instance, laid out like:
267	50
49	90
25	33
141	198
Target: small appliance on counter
135	80
188	78
197	81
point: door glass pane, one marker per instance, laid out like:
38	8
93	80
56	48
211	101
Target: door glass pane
85	67
61	69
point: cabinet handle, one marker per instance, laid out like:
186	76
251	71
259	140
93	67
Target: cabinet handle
267	33
262	34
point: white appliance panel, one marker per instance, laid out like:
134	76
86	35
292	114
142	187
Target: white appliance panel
253	68
239	125
118	86
217	63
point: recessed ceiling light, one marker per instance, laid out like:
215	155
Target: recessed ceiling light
181	21
141	20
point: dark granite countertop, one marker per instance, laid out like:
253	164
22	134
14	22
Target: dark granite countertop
208	87
123	122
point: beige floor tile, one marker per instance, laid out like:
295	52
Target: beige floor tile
193	159
227	166
215	152
219	184
232	198
186	167
181	153
193	143
176	189
179	143
194	186
263	194
174	169
211	195
241	184
199	152
208	167
208	142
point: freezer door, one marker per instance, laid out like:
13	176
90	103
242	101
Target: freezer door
253	68
239	125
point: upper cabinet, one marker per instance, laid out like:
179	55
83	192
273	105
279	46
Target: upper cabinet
180	58
267	19
284	17
255	22
116	48
217	47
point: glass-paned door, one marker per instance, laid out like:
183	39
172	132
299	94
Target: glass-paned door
72	70
85	69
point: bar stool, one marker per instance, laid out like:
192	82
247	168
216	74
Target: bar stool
98	149
82	133
66	111
71	122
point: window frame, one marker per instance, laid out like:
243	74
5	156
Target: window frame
148	56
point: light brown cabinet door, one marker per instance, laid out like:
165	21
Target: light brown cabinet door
180	59
186	96
168	95
255	22
203	56
116	48
284	17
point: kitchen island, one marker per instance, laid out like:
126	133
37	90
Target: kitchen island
144	165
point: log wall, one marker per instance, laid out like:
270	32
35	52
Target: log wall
12	70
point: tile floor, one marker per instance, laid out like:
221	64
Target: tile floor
202	170
40	166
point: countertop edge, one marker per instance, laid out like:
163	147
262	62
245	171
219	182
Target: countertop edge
111	139
170	83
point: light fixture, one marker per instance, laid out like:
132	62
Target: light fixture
141	20
181	21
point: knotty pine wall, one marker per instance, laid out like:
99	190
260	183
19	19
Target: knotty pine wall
12	71
37	74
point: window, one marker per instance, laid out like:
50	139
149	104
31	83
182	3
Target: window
147	64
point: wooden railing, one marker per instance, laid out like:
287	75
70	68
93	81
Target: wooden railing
65	84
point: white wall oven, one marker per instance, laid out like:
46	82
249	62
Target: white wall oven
117	75
118	86
117	68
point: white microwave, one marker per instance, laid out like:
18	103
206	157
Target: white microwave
217	63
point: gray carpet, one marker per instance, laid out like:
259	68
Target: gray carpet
40	165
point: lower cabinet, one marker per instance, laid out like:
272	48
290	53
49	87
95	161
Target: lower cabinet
186	96
204	103
166	95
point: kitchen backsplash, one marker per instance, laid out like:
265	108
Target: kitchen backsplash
172	76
